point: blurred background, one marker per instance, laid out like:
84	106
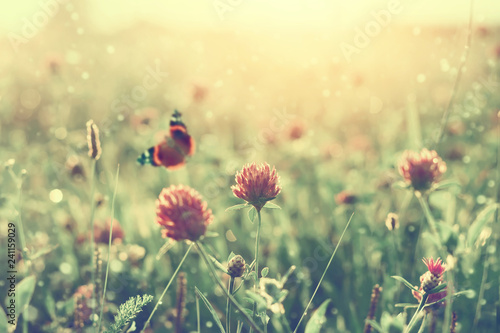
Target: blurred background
329	92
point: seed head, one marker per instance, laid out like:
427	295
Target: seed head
392	221
93	140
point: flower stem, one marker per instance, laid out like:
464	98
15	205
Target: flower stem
198	324
92	241
431	222
166	288
257	241
415	315
422	326
443	253
228	305
217	280
109	248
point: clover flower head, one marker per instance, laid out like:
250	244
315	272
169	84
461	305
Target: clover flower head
257	184
182	213
421	170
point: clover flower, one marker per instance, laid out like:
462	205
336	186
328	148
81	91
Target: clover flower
257	184
182	213
421	170
431	279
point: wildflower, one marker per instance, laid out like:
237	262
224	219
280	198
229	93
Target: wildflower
345	198
83	304
392	221
431	279
101	232
183	214
236	266
75	168
296	130
257	184
93	140
422	169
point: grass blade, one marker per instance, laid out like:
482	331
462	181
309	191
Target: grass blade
211	309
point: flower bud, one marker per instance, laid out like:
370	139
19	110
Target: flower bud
236	266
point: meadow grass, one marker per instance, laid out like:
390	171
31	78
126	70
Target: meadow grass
321	147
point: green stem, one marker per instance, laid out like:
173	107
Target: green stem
430	218
415	315
92	241
257	242
217	280
422	326
443	253
228	306
324	273
166	288
198	322
109	248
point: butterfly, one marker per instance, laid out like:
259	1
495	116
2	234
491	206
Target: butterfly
171	152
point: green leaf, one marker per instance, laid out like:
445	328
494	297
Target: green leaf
218	265
264	271
437	289
253	275
25	290
445	184
406	305
406	283
210	308
270	205
375	325
287	274
211	234
128	311
252	213
263	317
231	256
3	321
317	319
400	185
43	251
133	327
480	221
259	301
236	207
165	248
50	305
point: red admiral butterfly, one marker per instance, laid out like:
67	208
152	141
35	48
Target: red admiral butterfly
171	152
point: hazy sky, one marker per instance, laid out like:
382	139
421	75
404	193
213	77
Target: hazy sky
110	15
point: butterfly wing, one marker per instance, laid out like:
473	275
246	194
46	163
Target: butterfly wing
147	157
172	152
169	155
